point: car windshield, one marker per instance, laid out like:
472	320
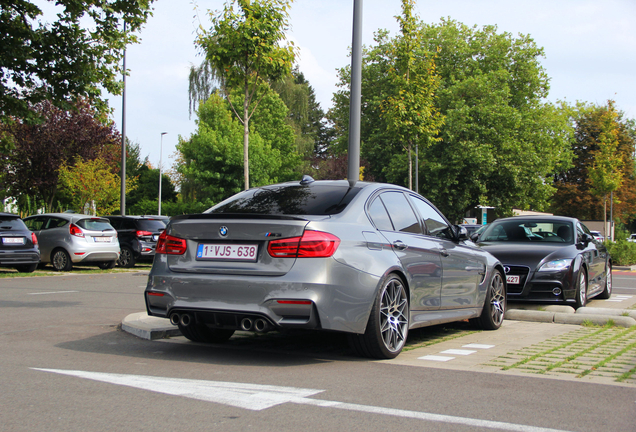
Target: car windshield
314	199
11	223
523	230
95	224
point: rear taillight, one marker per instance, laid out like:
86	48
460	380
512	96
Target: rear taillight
34	238
170	245
144	234
76	231
313	244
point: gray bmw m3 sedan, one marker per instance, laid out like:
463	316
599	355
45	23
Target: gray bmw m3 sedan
368	259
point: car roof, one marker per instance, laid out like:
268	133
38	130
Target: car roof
11	215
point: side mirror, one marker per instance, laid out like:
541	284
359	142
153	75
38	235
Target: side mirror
474	237
462	233
585	240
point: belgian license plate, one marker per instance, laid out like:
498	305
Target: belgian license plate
102	239
13	240
236	252
512	279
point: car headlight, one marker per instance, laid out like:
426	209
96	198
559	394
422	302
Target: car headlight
556	265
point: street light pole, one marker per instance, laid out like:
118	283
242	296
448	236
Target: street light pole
160	156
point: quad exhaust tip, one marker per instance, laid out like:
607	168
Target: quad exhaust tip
258	325
185	319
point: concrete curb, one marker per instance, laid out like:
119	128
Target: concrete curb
599	316
147	327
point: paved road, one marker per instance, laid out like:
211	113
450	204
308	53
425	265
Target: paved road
65	366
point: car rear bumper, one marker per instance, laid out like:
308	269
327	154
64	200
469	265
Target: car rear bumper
11	258
315	293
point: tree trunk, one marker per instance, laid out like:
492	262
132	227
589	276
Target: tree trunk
410	167
246	138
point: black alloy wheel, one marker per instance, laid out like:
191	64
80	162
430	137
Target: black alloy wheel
126	258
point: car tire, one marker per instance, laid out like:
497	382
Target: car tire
199	332
581	290
26	268
388	325
126	258
607	292
61	260
107	265
492	314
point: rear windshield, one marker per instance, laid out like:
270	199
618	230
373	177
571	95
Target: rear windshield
11	223
151	224
314	199
95	224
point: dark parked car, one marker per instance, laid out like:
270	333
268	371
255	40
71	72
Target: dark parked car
18	246
550	258
371	260
68	239
137	237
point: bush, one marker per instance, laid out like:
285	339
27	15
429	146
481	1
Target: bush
622	252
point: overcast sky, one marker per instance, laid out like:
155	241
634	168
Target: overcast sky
590	49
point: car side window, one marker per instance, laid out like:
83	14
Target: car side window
55	223
400	212
435	223
127	224
379	216
35	224
580	231
116	223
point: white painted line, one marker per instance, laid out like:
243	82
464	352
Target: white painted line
458	352
478	346
258	397
53	292
435	358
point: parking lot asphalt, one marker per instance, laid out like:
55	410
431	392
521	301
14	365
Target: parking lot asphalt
595	343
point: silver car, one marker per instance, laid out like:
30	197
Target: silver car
371	260
68	239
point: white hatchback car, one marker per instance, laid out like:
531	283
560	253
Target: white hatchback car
66	239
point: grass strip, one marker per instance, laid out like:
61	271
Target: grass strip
610	358
588	349
551	350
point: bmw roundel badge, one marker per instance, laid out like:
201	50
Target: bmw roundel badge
223	231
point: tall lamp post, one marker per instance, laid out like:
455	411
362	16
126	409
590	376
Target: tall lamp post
160	156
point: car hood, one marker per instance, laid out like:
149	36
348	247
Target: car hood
528	254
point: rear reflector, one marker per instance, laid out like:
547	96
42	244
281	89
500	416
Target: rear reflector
294	302
313	244
170	245
156	294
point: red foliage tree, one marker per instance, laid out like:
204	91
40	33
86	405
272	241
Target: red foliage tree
32	167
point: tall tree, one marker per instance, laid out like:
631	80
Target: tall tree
211	159
501	142
92	184
603	148
75	56
244	45
32	167
410	110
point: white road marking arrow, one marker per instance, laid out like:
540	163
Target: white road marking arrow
258	397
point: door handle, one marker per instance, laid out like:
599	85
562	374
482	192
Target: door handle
399	245
444	253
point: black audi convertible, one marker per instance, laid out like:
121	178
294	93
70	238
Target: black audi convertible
549	259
